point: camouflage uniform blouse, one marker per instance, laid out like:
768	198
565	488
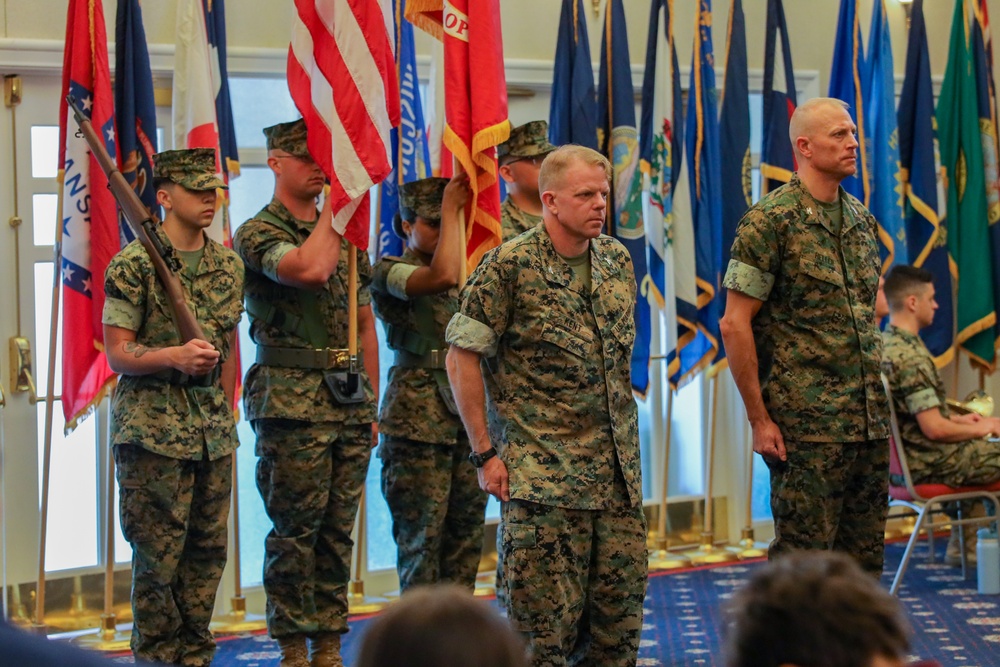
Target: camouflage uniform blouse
297	393
818	345
556	362
412	407
514	221
916	386
175	420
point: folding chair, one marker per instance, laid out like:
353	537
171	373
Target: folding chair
925	499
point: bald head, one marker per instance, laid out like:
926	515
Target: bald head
809	116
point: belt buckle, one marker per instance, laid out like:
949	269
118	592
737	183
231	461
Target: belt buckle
335	358
435	358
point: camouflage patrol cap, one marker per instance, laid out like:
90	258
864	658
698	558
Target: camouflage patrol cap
421	198
527	140
193	168
289	137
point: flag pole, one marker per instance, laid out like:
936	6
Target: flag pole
237	620
749	547
357	601
107	637
661	558
708	552
39	624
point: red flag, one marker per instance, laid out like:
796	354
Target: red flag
342	77
473	65
90	236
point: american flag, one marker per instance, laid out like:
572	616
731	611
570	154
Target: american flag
342	77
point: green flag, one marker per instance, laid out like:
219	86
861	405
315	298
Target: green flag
967	224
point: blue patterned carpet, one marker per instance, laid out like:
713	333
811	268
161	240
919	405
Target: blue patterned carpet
952	623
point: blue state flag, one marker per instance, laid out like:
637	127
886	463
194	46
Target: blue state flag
882	138
704	182
135	116
573	106
215	26
411	156
618	139
921	172
734	143
847	83
777	160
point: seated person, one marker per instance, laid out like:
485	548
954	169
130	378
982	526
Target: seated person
812	609
940	446
441	626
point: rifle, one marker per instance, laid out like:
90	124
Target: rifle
143	225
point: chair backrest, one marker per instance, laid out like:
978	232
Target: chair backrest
897	454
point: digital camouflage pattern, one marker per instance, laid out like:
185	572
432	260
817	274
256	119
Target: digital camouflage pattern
548	551
422	198
180	421
527	140
917	386
437	510
289	137
297	393
562	417
514	221
413	391
310	476
431	488
175	515
832	495
193	168
556	369
818	344
313	452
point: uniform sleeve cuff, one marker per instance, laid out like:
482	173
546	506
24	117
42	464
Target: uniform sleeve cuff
471	335
925	399
396	279
122	314
748	280
269	262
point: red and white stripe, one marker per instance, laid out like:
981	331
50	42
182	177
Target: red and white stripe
342	77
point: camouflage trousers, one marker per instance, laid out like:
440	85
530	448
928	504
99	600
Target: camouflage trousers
832	496
972	463
437	511
174	513
575	581
310	477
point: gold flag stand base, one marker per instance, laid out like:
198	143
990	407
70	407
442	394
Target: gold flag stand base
77	617
359	603
710	554
237	620
661	558
749	548
107	638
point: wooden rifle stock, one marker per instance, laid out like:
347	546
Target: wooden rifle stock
143	225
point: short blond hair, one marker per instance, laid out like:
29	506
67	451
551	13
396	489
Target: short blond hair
558	161
800	124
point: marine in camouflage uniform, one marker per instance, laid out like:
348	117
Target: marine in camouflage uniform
917	386
173	433
310	405
818	349
430	486
554	337
520	158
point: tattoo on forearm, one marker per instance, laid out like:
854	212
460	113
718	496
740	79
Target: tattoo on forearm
135	348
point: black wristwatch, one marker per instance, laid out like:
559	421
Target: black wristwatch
479	460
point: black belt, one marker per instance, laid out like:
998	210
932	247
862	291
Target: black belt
319	359
175	377
431	359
